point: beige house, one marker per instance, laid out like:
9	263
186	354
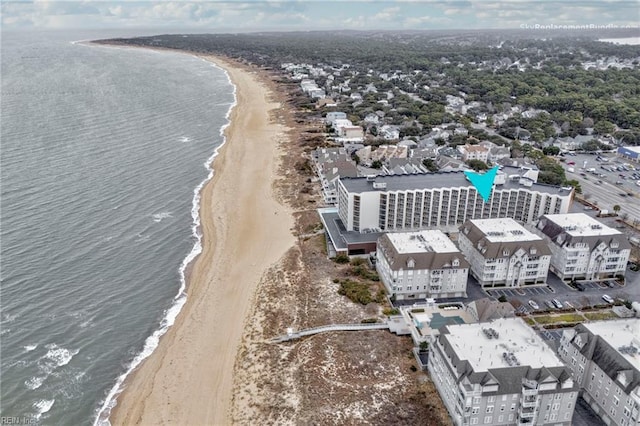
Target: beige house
500	373
502	253
583	248
420	265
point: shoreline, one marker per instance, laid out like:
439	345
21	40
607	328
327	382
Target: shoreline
188	378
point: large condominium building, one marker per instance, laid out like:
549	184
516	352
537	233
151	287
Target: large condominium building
604	357
500	373
421	265
583	248
442	200
502	253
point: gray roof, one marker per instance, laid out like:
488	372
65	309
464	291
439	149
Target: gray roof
607	358
552	230
440	180
424	260
488	309
508	379
495	250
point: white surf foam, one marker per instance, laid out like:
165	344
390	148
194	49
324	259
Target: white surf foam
55	357
102	416
159	216
29	348
185	139
34	382
43	406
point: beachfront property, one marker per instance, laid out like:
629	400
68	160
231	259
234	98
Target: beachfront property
333	116
582	248
502	253
330	164
351	133
604	357
442	200
420	265
500	373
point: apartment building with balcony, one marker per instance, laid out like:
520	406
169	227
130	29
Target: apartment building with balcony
582	248
442	200
604	357
502	253
500	373
420	265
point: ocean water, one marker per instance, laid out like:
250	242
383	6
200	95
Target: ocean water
103	151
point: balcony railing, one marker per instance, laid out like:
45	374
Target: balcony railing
527	392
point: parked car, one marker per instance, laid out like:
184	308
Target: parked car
557	303
607	298
549	304
568	305
580	287
533	304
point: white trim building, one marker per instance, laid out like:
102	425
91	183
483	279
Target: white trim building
584	248
442	200
500	373
502	253
424	264
604	357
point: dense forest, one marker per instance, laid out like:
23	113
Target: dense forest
556	72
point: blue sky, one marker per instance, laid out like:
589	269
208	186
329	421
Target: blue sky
218	16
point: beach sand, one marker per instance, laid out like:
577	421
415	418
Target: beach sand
188	380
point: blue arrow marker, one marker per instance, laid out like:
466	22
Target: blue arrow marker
484	182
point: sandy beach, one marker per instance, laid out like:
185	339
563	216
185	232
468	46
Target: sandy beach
188	380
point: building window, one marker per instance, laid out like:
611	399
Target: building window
492	399
513	407
616	401
500	419
489	409
474	420
488	419
475	410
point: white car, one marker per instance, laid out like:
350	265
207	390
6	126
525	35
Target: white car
557	303
607	298
533	304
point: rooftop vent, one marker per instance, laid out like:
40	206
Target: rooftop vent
510	359
379	185
490	333
628	350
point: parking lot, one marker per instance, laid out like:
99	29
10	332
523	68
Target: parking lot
508	292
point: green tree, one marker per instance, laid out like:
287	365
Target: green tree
430	165
551	150
616	208
376	164
576	186
477	165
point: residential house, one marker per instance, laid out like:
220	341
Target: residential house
502	253
420	265
496	152
603	358
486	309
583	248
474	152
333	116
500	373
